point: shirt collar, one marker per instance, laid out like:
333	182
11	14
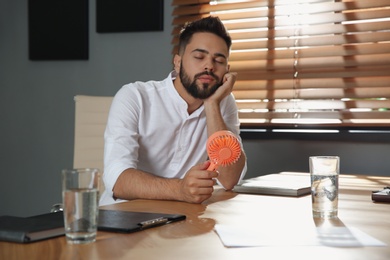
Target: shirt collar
183	104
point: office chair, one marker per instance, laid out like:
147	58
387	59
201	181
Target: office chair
91	114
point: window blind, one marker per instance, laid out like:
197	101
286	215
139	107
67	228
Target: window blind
304	62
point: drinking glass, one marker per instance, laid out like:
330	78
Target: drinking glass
80	202
324	172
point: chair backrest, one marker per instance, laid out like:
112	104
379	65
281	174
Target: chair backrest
91	113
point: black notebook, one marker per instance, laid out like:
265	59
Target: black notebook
30	229
128	222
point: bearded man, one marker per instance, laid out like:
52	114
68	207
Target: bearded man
156	134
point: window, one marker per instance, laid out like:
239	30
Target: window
304	63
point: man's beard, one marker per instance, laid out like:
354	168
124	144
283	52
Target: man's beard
200	92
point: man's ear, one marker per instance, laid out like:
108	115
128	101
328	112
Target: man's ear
177	62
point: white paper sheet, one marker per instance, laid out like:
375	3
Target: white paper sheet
234	236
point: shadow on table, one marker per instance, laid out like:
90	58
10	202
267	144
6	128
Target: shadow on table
195	225
333	232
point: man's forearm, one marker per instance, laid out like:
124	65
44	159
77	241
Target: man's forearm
229	175
134	184
214	119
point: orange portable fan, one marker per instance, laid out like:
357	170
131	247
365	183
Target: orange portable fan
223	149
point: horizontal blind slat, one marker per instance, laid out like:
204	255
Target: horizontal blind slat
313	41
341	115
319	73
238	21
314	105
325	29
283	8
314	93
316	51
353	82
311	63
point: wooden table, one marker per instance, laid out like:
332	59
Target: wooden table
195	237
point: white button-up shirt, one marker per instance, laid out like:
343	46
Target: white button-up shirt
150	129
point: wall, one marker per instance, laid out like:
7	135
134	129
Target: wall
37	108
37	111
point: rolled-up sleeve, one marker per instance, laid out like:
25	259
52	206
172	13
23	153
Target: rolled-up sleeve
121	138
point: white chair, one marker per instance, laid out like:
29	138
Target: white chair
91	114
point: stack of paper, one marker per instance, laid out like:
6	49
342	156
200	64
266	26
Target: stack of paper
282	184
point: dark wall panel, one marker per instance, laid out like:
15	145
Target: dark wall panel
129	15
58	30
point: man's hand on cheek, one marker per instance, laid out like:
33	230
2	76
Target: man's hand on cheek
225	89
229	79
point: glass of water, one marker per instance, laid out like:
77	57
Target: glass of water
324	172
80	202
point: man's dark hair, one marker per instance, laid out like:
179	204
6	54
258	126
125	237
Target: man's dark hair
209	24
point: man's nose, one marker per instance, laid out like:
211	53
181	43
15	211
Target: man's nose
209	66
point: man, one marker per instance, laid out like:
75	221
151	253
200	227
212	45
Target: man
155	140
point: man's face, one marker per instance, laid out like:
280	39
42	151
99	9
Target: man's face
201	90
203	65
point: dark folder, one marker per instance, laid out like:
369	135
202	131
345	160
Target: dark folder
128	222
